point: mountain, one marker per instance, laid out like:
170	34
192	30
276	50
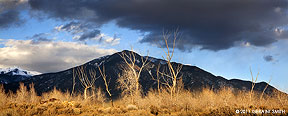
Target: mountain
193	77
12	75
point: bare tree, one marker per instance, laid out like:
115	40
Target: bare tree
170	74
261	96
157	78
87	79
130	79
253	83
128	83
73	81
104	77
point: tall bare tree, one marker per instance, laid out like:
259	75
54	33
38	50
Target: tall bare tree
104	77
170	74
253	83
130	80
87	79
128	83
157	78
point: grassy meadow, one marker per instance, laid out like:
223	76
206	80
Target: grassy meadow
183	103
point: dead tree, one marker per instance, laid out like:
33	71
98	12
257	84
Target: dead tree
253	84
87	79
128	84
157	78
170	74
104	77
130	79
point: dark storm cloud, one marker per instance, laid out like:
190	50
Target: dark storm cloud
9	18
10	4
40	37
268	58
208	24
85	31
89	35
74	27
10	13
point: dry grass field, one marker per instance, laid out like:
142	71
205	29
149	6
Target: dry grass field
184	103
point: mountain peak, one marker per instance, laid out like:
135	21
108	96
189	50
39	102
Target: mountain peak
15	74
17	71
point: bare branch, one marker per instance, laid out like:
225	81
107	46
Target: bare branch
87	80
171	76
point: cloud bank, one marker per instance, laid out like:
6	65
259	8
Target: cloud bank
207	24
47	56
10	12
84	32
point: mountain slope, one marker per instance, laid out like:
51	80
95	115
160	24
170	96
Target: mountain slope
193	78
12	75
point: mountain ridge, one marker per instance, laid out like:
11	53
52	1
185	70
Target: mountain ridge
193	78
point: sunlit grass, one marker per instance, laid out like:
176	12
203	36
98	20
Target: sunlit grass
205	102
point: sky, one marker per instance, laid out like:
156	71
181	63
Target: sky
224	37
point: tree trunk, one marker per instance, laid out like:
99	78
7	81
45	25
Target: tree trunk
132	93
85	93
171	93
158	85
112	102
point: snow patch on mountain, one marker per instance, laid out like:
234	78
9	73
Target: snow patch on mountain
151	59
154	60
17	71
99	61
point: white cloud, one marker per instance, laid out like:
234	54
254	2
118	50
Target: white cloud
76	37
246	44
277	10
74	27
86	32
48	56
58	28
107	39
23	1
